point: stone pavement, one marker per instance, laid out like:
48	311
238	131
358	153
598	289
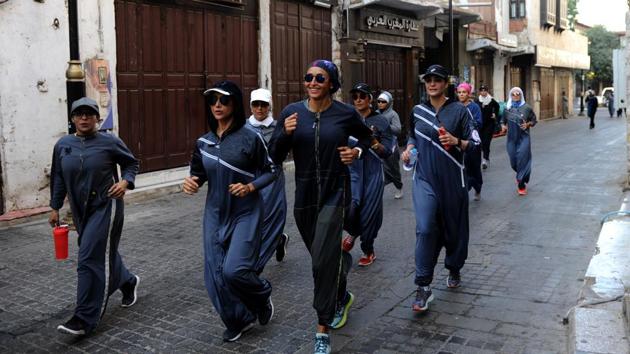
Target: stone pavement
526	262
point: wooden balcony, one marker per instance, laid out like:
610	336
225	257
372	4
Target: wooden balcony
482	29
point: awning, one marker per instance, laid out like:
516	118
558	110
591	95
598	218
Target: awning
485	43
421	8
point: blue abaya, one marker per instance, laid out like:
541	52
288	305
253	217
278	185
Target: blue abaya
232	226
518	140
440	197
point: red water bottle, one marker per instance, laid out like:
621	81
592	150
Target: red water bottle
60	236
442	131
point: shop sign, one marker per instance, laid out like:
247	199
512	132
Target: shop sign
377	21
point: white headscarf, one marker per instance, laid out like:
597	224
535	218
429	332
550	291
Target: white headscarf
520	103
263	95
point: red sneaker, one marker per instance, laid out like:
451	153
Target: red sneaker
367	259
522	191
347	243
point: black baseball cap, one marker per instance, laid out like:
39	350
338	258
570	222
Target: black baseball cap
483	88
361	87
437	71
84	102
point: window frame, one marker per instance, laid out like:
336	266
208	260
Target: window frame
518	9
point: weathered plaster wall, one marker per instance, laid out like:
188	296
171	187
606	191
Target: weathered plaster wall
32	116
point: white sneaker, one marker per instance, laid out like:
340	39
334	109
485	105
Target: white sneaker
398	194
484	164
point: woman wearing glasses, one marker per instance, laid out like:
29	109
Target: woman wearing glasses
517	120
274	196
233	160
385	103
84	169
317	131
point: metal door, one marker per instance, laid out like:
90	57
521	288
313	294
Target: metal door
167	55
300	33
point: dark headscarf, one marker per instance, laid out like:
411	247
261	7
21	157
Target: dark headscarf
331	70
227	88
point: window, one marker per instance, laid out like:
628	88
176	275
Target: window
517	8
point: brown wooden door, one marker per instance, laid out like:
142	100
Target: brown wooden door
384	70
547	99
300	33
166	56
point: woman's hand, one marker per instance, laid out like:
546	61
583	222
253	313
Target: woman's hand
240	189
190	185
53	218
503	128
347	154
406	154
290	123
118	190
447	139
525	125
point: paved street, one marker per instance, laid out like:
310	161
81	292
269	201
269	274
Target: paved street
526	261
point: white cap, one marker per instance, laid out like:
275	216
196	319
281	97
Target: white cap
260	95
384	97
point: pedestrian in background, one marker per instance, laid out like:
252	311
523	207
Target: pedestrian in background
611	104
317	131
84	169
441	131
233	160
274	196
489	112
565	106
367	177
472	157
385	103
517	120
591	107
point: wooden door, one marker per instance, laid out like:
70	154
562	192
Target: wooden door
300	33
547	93
167	55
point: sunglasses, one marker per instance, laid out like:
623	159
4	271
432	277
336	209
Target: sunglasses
361	95
262	104
225	100
381	101
516	93
319	78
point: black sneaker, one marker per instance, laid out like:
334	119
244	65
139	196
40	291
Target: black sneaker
232	336
74	326
453	280
281	249
424	296
130	292
266	314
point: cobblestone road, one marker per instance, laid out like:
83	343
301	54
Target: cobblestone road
527	257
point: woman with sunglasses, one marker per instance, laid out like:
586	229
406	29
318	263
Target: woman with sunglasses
84	169
518	118
274	196
233	160
317	131
472	158
385	103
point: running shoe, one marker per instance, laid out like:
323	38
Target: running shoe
130	292
347	243
522	191
266	314
484	164
477	196
424	296
398	194
367	259
453	280
281	249
234	335
322	343
341	314
74	326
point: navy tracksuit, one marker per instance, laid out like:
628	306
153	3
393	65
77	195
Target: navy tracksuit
83	169
440	196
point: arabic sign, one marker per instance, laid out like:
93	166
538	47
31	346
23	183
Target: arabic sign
377	21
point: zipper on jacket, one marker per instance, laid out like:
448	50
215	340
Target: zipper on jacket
317	165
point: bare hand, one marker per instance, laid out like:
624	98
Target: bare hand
190	185
406	154
290	123
240	189
53	218
347	154
447	139
118	190
525	125
503	128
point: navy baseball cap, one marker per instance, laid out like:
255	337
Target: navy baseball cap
85	102
361	87
437	71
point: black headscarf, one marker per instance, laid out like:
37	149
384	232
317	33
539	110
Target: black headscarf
227	88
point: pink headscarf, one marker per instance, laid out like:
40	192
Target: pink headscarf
465	86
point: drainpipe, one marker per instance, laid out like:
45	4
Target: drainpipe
75	76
